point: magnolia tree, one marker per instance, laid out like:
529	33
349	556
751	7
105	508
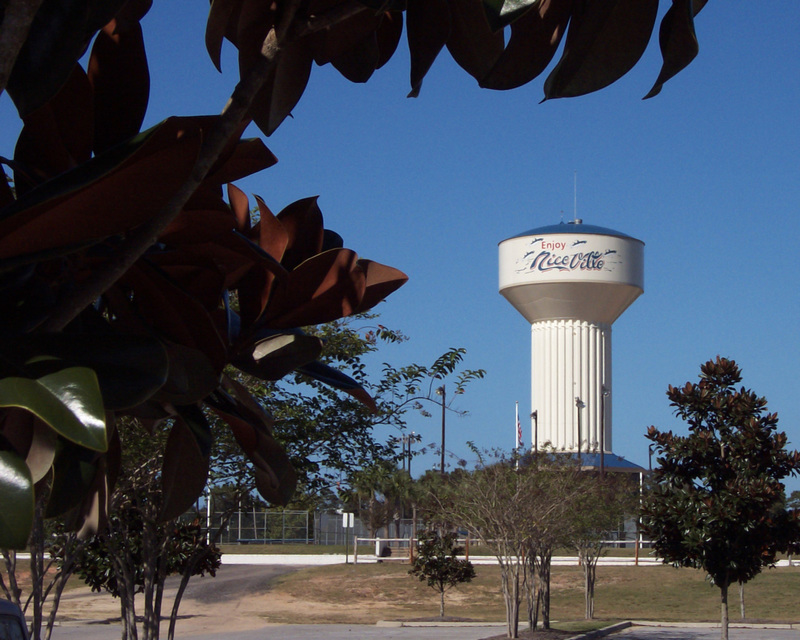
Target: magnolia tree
717	500
121	251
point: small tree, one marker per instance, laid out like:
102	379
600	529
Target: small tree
598	509
717	499
437	563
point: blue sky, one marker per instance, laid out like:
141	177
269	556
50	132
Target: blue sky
707	174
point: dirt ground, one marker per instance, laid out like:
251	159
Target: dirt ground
237	599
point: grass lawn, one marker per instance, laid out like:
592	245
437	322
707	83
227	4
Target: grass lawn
622	593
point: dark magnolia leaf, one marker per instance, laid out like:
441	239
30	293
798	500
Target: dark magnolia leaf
191	376
677	39
331	240
274	235
174	313
501	13
324	288
90	516
244	159
56	137
534	39
105	196
6	194
56	40
219	17
279	354
246	405
276	489
186	462
332	43
129	368
472	42
74	471
68	400
605	40
338	380
240	207
283	88
384	5
381	281
121	81
16	501
302	221
388	34
359	62
427	30
276	479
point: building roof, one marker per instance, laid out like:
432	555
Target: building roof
612	462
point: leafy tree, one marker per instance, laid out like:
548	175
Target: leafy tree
136	551
437	563
515	507
717	499
599	509
105	225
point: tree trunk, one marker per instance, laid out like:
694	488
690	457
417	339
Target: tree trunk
441	604
529	581
511	595
741	599
543	568
723	588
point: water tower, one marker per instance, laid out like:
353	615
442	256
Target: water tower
571	282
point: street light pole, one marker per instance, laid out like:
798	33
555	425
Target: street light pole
603	432
535	416
579	405
441	391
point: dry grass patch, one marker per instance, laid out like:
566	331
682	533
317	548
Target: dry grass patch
386	591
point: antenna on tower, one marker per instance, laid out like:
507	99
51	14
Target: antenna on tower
575	198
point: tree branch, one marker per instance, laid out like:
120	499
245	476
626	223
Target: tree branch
235	112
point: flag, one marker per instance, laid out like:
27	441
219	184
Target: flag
519	429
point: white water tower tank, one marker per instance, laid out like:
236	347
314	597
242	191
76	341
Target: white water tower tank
571	281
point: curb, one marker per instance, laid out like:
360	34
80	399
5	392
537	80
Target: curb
600	633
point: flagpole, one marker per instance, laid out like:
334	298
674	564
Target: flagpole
517	434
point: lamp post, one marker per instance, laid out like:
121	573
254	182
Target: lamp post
650	458
535	417
441	391
578	406
603	432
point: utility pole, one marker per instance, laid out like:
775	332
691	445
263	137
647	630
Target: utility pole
441	391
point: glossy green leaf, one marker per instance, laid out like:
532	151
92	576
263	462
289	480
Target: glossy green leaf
16	501
68	400
501	13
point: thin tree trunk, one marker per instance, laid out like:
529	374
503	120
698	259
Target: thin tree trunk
741	599
723	588
441	604
544	562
